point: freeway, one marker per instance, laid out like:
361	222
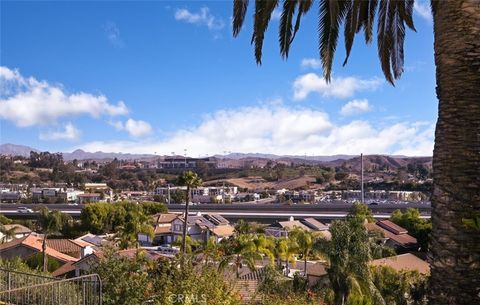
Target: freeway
260	212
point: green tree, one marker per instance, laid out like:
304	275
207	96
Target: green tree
191	181
7	233
400	288
50	222
304	241
285	250
36	262
455	157
150	208
348	254
240	250
361	211
135	223
418	227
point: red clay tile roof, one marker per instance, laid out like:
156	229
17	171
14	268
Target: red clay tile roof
401	239
392	227
407	262
34	242
223	230
19	229
163	229
164	217
65	268
65	246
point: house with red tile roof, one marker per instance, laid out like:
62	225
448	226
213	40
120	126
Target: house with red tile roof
25	247
395	236
404	262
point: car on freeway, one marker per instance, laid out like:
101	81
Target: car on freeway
24	210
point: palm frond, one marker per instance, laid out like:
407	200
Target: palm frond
393	15
331	14
405	8
263	13
398	33
366	18
285	30
239	12
351	25
384	37
304	7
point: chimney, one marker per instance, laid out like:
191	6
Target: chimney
87	250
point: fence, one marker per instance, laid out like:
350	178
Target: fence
20	288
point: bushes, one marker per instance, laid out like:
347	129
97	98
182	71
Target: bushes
36	262
99	218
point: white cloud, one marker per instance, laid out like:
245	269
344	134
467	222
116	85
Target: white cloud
113	34
202	17
422	8
134	128
69	132
281	130
339	87
355	107
311	63
28	102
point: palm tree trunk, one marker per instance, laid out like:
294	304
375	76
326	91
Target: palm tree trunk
305	265
44	252
184	241
456	159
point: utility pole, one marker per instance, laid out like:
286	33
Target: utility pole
185	150
361	180
168	193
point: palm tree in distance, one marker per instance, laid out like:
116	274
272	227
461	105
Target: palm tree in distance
191	181
50	222
304	241
456	159
8	234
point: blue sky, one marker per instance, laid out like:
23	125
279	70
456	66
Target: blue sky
161	77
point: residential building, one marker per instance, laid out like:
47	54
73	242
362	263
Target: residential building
89	198
162	227
282	228
404	262
202	226
27	246
201	194
10	196
177	162
19	232
395	236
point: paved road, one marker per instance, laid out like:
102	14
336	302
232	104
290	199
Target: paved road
242	210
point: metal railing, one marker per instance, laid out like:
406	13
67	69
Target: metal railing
20	288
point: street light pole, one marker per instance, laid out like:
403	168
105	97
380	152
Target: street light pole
361	180
185	150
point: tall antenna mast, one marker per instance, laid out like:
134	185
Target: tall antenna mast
361	180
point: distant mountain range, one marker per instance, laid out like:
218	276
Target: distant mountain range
16	150
21	150
351	161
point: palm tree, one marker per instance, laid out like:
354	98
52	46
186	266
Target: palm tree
8	234
212	251
240	250
285	250
304	241
50	222
348	254
191	181
265	247
456	187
